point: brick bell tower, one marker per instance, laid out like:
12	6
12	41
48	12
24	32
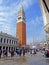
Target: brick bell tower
21	27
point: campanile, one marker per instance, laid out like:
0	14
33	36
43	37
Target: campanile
21	27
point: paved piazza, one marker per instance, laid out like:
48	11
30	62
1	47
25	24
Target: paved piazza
37	59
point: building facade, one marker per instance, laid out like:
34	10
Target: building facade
8	42
21	27
44	4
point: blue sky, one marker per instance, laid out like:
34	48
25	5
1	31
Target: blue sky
34	20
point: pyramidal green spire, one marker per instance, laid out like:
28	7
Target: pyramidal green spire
21	8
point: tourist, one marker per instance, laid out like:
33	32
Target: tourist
0	53
20	52
5	53
12	53
23	51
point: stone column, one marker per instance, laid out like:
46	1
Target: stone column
2	48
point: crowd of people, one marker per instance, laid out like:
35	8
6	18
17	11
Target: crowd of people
6	53
18	52
33	51
21	51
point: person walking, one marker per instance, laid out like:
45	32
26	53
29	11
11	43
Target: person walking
20	52
23	51
12	53
0	53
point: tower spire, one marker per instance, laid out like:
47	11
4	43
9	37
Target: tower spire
21	14
21	8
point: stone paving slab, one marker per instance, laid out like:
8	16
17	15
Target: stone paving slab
37	59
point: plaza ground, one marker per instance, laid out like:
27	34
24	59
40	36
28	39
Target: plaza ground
29	59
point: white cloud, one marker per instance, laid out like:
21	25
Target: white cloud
35	28
37	20
1	1
8	16
8	13
34	23
27	3
1	23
